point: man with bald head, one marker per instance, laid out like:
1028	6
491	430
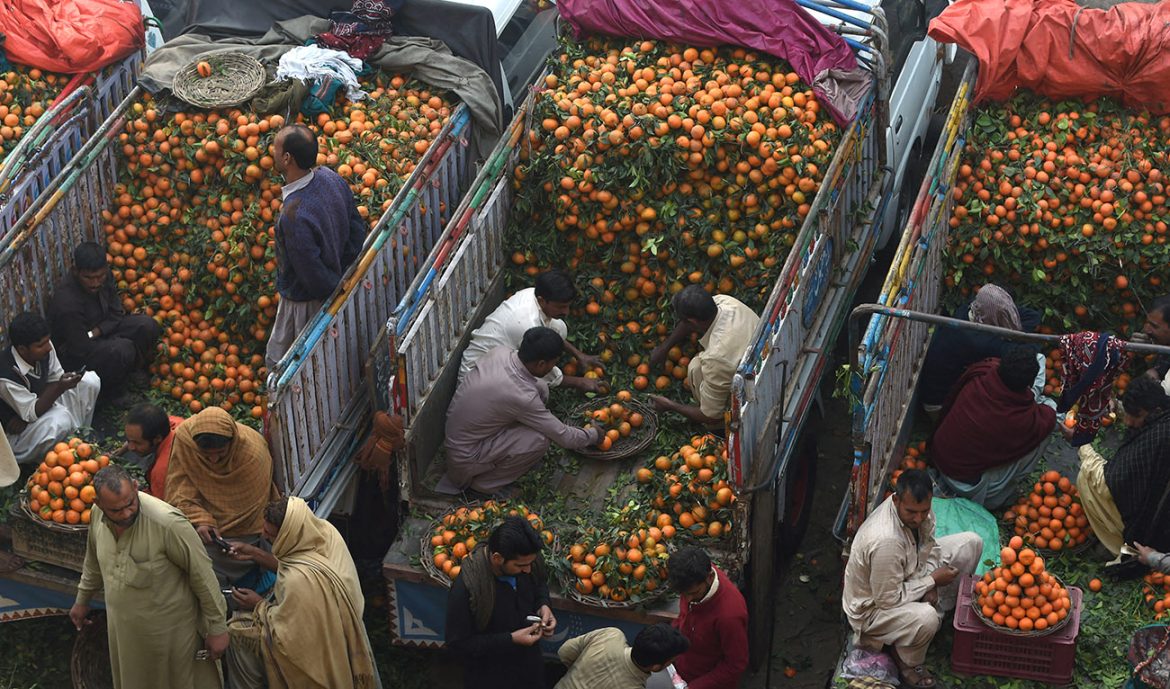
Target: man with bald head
318	235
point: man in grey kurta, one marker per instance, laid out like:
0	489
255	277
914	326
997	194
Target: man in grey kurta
498	424
163	602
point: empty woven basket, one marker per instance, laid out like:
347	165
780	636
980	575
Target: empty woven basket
235	78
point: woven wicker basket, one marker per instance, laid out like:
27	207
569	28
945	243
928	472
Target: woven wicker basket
90	662
35	539
235	78
606	604
638	440
1031	634
425	549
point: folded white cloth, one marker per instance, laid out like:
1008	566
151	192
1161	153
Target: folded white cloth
310	62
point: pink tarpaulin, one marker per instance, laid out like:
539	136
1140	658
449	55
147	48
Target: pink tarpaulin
1062	50
70	36
778	27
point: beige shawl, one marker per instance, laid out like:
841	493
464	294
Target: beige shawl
312	636
229	495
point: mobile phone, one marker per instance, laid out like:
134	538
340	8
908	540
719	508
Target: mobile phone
226	592
81	371
533	619
202	654
223	545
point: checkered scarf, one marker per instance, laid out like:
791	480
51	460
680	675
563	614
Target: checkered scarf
1091	362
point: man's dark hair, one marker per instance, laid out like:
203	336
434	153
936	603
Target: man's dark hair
916	483
111	478
27	329
658	644
301	143
212	441
153	421
1144	394
1018	368
514	538
275	511
1161	306
688	567
556	286
89	256
694	302
541	344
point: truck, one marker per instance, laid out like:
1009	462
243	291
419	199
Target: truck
888	344
775	397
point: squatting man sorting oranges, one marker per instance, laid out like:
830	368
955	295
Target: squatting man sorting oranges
724	326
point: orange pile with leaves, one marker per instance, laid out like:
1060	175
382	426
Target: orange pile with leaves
1067	203
458	532
689	490
652	166
618	565
191	232
618	420
25	94
1051	516
1020	593
1156	591
59	490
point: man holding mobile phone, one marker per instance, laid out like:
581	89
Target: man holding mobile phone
40	404
92	328
899	579
498	611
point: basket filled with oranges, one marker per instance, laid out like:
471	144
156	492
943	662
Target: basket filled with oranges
630	426
456	533
1021	597
52	514
614	568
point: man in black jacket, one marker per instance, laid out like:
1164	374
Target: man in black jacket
487	608
92	329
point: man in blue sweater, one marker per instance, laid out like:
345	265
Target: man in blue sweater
318	235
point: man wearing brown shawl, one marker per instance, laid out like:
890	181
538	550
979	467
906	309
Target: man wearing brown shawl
317	597
501	583
220	476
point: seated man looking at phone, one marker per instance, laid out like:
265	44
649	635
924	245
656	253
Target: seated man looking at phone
899	579
220	476
40	404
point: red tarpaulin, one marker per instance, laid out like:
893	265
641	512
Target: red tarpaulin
778	27
1062	50
70	36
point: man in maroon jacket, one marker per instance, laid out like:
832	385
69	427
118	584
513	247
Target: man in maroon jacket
713	617
992	425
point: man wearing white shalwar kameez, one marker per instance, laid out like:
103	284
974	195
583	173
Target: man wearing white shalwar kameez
542	305
40	404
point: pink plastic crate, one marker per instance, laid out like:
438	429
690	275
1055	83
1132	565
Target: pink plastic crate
981	650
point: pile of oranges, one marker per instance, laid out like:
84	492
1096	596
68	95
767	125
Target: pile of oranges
191	231
1156	591
60	489
618	420
1020	593
457	533
689	490
1051	516
25	95
652	166
915	458
618	565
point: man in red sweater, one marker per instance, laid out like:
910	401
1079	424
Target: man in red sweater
713	617
993	424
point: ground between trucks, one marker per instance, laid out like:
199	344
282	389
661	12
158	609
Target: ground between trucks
774	403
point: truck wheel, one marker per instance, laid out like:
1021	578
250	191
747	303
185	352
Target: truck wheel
799	485
761	576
